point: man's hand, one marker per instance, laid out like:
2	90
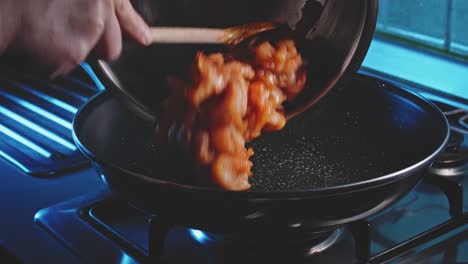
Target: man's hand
62	33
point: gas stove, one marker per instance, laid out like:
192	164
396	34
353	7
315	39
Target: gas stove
428	225
71	217
454	161
100	228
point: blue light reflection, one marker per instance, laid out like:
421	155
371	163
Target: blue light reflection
14	161
70	92
37	110
24	141
48	98
93	76
37	128
413	66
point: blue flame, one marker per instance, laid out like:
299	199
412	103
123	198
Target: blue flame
126	259
199	236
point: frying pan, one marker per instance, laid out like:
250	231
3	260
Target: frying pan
320	172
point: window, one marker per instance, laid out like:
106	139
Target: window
440	24
424	42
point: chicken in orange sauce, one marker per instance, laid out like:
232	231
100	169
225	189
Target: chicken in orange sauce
229	101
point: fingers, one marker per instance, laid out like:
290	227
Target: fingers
125	18
131	22
63	34
110	44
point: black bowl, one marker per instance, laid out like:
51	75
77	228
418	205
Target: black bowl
333	36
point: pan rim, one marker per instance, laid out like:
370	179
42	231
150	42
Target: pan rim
291	195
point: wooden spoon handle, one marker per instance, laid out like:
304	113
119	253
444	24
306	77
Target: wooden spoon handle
188	35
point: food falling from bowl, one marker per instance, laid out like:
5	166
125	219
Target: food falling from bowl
228	100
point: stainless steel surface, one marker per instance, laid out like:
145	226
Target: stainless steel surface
327	243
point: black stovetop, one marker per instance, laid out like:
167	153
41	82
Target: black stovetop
75	219
100	228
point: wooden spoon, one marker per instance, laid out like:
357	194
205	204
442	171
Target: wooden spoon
227	36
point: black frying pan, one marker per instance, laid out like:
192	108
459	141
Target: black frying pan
361	153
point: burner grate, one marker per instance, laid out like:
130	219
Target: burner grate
457	117
36	121
149	237
464	122
361	230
